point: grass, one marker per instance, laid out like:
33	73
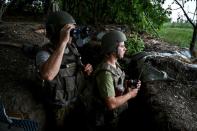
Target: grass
176	35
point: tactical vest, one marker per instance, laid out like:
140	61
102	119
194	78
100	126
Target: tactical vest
118	81
64	88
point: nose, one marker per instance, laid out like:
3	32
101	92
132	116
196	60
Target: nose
125	49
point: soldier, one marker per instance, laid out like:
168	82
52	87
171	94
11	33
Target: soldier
61	71
112	91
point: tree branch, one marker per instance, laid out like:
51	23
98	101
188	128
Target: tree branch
182	8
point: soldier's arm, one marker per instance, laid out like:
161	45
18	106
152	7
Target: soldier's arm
50	68
106	89
114	102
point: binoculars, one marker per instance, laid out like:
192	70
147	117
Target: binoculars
132	83
80	32
75	33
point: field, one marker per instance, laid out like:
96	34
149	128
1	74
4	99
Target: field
176	34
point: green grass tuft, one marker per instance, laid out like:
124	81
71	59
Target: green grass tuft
176	35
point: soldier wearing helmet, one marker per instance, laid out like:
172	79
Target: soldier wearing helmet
61	71
110	80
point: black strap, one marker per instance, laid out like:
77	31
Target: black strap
73	48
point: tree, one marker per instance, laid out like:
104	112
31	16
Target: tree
192	21
139	15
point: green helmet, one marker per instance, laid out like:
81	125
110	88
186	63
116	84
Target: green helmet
110	40
57	20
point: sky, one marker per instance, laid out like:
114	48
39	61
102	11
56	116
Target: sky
189	6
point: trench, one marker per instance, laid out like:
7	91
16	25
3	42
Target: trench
163	105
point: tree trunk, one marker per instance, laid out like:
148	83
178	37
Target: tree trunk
1	13
193	50
46	6
2	10
64	5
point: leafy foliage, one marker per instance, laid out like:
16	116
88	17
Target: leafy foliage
139	15
134	44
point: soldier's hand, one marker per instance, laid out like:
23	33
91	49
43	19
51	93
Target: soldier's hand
88	69
65	33
133	92
138	84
